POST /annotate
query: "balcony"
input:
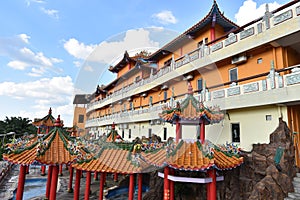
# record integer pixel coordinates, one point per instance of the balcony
(284, 23)
(274, 89)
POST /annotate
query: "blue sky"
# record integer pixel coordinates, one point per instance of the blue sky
(50, 50)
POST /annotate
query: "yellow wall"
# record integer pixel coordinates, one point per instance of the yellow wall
(79, 111)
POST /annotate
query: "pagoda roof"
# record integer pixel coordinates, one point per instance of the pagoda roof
(215, 16)
(193, 156)
(120, 65)
(57, 147)
(48, 120)
(190, 109)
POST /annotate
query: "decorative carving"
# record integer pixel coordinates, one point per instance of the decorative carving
(252, 87)
(233, 91)
(264, 85)
(194, 56)
(219, 94)
(230, 40)
(259, 27)
(293, 79)
(178, 64)
(280, 81)
(217, 46)
(282, 17)
(246, 33)
(267, 16)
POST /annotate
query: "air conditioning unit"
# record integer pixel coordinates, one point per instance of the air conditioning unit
(144, 95)
(238, 59)
(164, 87)
(188, 77)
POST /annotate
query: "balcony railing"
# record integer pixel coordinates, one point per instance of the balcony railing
(251, 30)
(272, 82)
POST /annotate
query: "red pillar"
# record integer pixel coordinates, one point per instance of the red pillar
(77, 184)
(60, 169)
(178, 131)
(172, 186)
(48, 186)
(21, 182)
(70, 189)
(43, 173)
(202, 132)
(166, 184)
(27, 169)
(87, 186)
(212, 187)
(131, 187)
(96, 176)
(102, 180)
(140, 186)
(115, 177)
(54, 179)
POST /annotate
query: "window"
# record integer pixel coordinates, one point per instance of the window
(259, 60)
(165, 133)
(149, 133)
(80, 118)
(268, 117)
(200, 85)
(168, 62)
(165, 95)
(201, 42)
(235, 131)
(137, 79)
(123, 133)
(233, 74)
(129, 133)
(150, 101)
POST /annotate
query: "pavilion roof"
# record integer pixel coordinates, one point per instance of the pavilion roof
(57, 147)
(192, 109)
(48, 120)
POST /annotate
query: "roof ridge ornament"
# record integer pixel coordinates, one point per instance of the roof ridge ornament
(58, 122)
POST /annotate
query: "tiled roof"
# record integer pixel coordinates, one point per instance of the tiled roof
(57, 147)
(191, 109)
(48, 120)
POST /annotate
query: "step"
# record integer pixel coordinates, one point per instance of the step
(297, 179)
(288, 198)
(297, 190)
(297, 174)
(294, 195)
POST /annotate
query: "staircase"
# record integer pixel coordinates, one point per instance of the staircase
(296, 193)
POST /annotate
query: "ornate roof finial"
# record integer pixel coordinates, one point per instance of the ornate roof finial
(57, 122)
(50, 111)
(113, 126)
(190, 88)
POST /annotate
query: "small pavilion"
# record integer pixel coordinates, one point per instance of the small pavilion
(52, 149)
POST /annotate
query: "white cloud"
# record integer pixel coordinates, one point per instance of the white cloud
(77, 49)
(88, 68)
(50, 12)
(249, 11)
(56, 92)
(24, 38)
(19, 65)
(165, 17)
(28, 2)
(77, 63)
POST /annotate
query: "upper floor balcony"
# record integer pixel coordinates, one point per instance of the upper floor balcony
(274, 89)
(271, 28)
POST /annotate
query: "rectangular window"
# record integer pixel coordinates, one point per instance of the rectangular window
(165, 133)
(150, 100)
(129, 133)
(168, 62)
(233, 74)
(200, 85)
(235, 132)
(165, 95)
(201, 42)
(80, 118)
(149, 133)
(259, 60)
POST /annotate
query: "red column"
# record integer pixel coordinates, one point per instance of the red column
(87, 186)
(212, 187)
(48, 186)
(172, 188)
(60, 169)
(96, 176)
(54, 179)
(27, 169)
(115, 177)
(21, 182)
(70, 189)
(140, 186)
(131, 187)
(166, 184)
(77, 184)
(43, 173)
(102, 180)
(178, 131)
(202, 132)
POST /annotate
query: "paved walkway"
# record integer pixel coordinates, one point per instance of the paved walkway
(9, 184)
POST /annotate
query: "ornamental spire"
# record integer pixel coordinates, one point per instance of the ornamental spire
(57, 122)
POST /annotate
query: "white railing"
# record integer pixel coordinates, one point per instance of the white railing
(266, 23)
